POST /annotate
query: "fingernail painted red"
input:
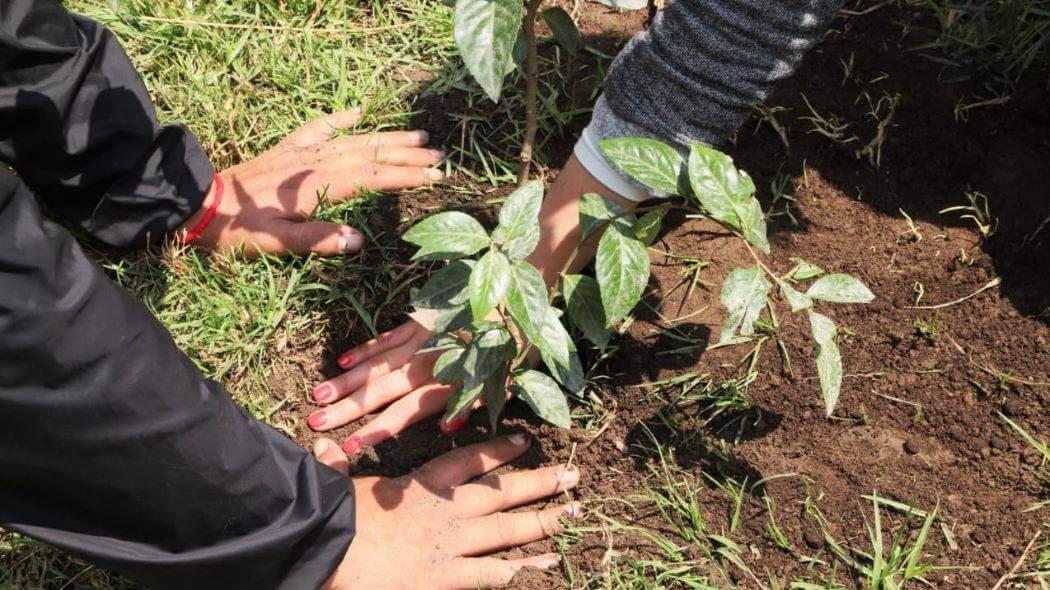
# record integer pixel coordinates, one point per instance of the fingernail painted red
(324, 392)
(352, 445)
(453, 426)
(345, 360)
(317, 419)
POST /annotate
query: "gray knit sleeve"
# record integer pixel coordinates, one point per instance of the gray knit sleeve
(697, 72)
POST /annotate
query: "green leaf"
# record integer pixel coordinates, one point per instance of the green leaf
(569, 375)
(743, 293)
(440, 342)
(622, 268)
(527, 300)
(449, 366)
(647, 229)
(839, 288)
(596, 212)
(727, 193)
(495, 393)
(443, 320)
(447, 236)
(797, 300)
(446, 288)
(804, 270)
(485, 32)
(650, 162)
(488, 283)
(519, 54)
(564, 29)
(829, 361)
(559, 353)
(519, 226)
(461, 399)
(583, 300)
(543, 395)
(484, 355)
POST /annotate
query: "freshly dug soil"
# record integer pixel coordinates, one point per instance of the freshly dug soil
(917, 420)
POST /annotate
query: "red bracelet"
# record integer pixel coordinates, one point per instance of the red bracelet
(195, 233)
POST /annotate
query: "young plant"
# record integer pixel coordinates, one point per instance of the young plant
(713, 187)
(495, 36)
(491, 311)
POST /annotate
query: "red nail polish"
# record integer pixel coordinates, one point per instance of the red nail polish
(317, 419)
(352, 445)
(453, 426)
(324, 392)
(345, 360)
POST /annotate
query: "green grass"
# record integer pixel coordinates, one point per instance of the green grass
(995, 42)
(241, 75)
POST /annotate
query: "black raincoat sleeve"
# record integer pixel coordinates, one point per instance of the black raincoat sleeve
(112, 444)
(77, 124)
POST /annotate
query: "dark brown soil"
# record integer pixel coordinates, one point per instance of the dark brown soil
(917, 420)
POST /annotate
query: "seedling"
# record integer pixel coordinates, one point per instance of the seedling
(493, 311)
(928, 328)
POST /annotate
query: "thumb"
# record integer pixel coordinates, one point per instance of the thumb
(327, 452)
(319, 237)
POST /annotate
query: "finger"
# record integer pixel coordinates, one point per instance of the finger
(327, 452)
(416, 138)
(319, 237)
(490, 572)
(337, 181)
(376, 393)
(466, 463)
(322, 129)
(485, 534)
(402, 156)
(425, 401)
(387, 340)
(347, 182)
(495, 493)
(368, 371)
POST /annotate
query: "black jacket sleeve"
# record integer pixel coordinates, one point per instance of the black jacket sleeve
(77, 124)
(113, 446)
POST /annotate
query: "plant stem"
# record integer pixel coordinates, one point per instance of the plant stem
(761, 265)
(532, 77)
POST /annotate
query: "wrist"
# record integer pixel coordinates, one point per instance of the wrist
(197, 223)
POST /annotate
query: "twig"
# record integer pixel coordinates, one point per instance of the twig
(278, 28)
(532, 76)
(996, 374)
(1020, 560)
(992, 283)
(869, 10)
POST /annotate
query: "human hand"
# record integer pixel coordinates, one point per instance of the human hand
(383, 371)
(268, 200)
(429, 528)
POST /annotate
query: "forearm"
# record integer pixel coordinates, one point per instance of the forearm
(114, 447)
(694, 76)
(77, 123)
(560, 223)
(698, 71)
